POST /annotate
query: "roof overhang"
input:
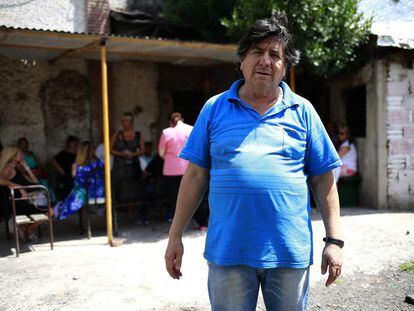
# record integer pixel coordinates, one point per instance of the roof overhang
(50, 45)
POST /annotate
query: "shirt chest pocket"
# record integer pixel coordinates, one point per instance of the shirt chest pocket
(294, 144)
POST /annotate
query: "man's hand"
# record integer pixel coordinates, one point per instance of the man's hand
(332, 258)
(173, 257)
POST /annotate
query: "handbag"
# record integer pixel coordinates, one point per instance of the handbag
(37, 198)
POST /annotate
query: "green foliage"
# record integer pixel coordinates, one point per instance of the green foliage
(327, 32)
(408, 266)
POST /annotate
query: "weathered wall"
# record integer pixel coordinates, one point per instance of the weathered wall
(209, 80)
(400, 134)
(63, 15)
(65, 107)
(22, 107)
(132, 84)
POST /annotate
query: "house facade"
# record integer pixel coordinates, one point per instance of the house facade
(50, 76)
(377, 101)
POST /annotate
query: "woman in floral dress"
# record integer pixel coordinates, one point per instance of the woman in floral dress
(87, 171)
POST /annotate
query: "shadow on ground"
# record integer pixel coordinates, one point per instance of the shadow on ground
(69, 231)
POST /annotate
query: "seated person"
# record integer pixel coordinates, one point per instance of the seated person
(62, 163)
(87, 171)
(348, 154)
(31, 160)
(14, 171)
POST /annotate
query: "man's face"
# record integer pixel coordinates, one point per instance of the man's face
(264, 64)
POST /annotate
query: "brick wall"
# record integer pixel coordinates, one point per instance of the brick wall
(400, 136)
(97, 15)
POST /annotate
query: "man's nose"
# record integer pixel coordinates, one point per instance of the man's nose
(264, 59)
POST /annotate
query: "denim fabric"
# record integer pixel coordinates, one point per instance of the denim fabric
(236, 288)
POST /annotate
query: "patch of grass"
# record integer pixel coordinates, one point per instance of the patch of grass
(408, 266)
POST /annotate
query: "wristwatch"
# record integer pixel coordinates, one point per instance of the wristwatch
(338, 242)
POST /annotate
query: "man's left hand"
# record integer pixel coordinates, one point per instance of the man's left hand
(332, 259)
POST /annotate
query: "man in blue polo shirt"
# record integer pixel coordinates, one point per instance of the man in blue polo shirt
(259, 144)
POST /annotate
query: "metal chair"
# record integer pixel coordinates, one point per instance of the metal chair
(23, 219)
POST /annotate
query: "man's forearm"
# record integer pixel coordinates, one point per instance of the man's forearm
(192, 188)
(326, 197)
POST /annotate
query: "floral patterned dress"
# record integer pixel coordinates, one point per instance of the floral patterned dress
(90, 175)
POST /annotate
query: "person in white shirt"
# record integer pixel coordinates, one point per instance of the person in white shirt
(147, 156)
(100, 154)
(348, 154)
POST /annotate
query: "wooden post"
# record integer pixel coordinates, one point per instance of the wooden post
(292, 78)
(108, 196)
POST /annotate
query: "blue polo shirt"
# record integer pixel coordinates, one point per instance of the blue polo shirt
(259, 165)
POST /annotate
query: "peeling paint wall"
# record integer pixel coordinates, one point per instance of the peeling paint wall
(21, 104)
(65, 107)
(400, 135)
(61, 15)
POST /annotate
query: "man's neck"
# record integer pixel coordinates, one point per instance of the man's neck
(260, 99)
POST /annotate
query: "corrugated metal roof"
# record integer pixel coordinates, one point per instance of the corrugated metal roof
(36, 44)
(393, 21)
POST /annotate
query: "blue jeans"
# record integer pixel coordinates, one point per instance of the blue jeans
(236, 288)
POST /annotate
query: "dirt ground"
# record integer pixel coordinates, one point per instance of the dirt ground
(81, 274)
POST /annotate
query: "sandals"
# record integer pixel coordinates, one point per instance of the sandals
(25, 237)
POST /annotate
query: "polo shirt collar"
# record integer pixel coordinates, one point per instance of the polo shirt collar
(287, 101)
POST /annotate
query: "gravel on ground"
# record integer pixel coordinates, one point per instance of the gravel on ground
(81, 274)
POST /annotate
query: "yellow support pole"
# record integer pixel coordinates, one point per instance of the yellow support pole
(108, 197)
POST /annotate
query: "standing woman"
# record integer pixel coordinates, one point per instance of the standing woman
(171, 143)
(348, 154)
(126, 147)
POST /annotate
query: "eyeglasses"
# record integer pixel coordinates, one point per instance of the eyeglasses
(342, 133)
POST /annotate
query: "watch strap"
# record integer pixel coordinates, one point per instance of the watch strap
(338, 242)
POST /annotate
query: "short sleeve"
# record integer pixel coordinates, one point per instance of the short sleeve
(321, 155)
(197, 148)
